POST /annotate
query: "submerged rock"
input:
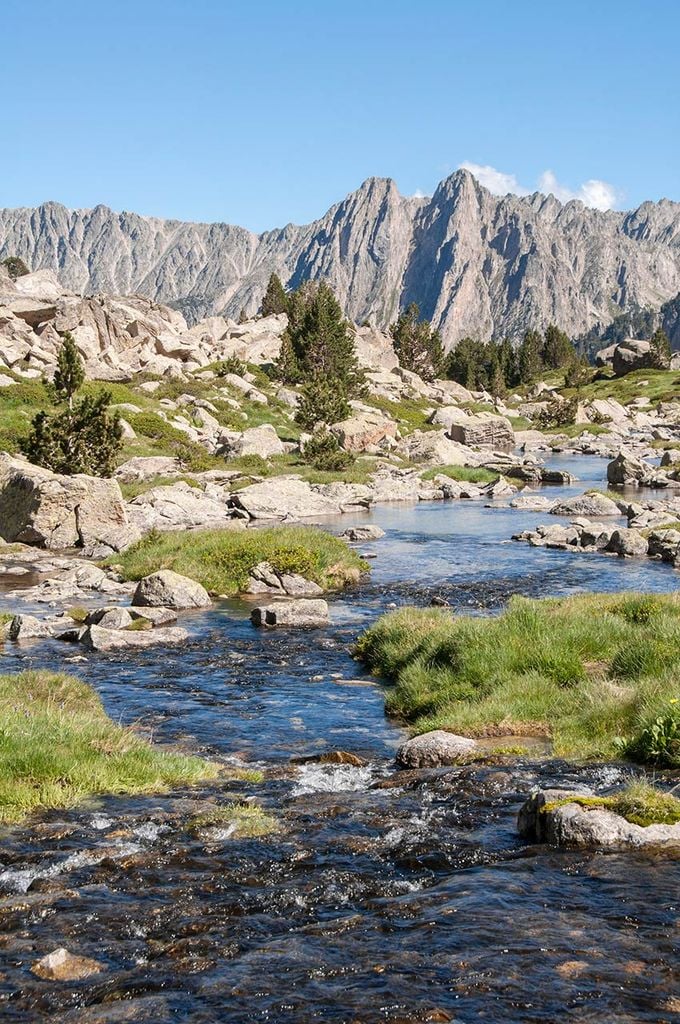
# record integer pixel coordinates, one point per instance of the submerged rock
(168, 589)
(61, 965)
(363, 533)
(554, 816)
(432, 749)
(291, 613)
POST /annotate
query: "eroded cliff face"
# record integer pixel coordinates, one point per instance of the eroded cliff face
(476, 263)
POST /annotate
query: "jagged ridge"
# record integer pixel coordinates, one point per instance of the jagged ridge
(476, 263)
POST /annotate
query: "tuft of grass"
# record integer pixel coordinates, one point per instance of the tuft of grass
(77, 613)
(222, 559)
(139, 624)
(242, 820)
(464, 474)
(597, 673)
(58, 746)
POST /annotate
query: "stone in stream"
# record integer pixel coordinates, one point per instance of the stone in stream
(265, 579)
(304, 613)
(628, 543)
(363, 533)
(110, 618)
(432, 749)
(591, 505)
(27, 627)
(157, 616)
(61, 965)
(554, 816)
(168, 589)
(333, 757)
(95, 638)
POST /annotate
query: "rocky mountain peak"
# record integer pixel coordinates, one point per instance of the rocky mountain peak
(475, 263)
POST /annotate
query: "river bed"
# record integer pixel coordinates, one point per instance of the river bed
(384, 896)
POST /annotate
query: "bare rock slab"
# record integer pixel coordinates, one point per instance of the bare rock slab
(436, 748)
(168, 589)
(98, 638)
(306, 613)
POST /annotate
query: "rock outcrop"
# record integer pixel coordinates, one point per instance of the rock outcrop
(555, 816)
(54, 511)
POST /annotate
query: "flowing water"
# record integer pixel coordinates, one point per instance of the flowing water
(384, 895)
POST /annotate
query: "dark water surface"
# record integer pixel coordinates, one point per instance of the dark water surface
(384, 896)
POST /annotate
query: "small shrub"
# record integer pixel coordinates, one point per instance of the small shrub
(658, 740)
(232, 364)
(15, 267)
(323, 452)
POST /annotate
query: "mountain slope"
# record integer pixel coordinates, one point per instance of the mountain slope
(476, 263)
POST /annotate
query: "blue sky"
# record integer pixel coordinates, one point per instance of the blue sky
(264, 113)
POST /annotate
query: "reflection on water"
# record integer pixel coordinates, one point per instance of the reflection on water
(384, 896)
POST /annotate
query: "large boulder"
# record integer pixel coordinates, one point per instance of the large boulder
(482, 429)
(309, 614)
(364, 429)
(555, 816)
(432, 749)
(283, 498)
(54, 511)
(99, 638)
(146, 467)
(181, 506)
(627, 470)
(632, 354)
(168, 589)
(437, 449)
(263, 441)
(627, 543)
(592, 505)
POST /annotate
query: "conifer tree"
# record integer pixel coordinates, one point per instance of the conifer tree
(417, 345)
(660, 352)
(318, 343)
(70, 373)
(275, 299)
(83, 438)
(530, 360)
(558, 350)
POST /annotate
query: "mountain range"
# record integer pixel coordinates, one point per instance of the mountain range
(477, 264)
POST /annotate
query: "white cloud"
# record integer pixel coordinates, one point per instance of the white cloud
(599, 194)
(496, 181)
(595, 193)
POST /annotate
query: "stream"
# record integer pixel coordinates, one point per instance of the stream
(384, 895)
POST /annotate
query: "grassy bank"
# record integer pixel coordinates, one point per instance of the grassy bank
(463, 474)
(58, 746)
(598, 673)
(221, 560)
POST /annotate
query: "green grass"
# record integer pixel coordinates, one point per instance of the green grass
(58, 746)
(662, 386)
(640, 803)
(464, 474)
(410, 413)
(135, 487)
(221, 559)
(597, 673)
(244, 820)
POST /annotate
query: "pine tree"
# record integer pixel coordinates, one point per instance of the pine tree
(243, 316)
(464, 363)
(321, 401)
(70, 373)
(81, 439)
(15, 267)
(275, 299)
(530, 357)
(660, 352)
(558, 350)
(318, 344)
(417, 345)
